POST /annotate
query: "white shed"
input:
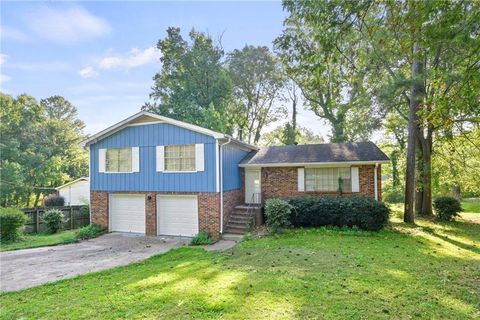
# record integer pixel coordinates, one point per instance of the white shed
(76, 192)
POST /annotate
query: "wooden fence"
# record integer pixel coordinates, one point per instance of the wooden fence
(75, 217)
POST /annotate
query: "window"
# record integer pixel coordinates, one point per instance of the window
(180, 158)
(118, 160)
(328, 179)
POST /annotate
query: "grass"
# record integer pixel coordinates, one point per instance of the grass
(471, 205)
(425, 271)
(40, 240)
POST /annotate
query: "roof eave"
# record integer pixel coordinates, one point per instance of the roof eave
(312, 164)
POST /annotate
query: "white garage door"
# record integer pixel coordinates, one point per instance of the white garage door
(127, 213)
(177, 215)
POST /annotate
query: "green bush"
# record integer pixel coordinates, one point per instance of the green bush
(364, 213)
(277, 212)
(11, 220)
(447, 208)
(89, 232)
(201, 238)
(54, 200)
(53, 220)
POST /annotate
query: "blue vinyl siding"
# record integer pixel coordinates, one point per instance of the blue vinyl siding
(147, 137)
(232, 155)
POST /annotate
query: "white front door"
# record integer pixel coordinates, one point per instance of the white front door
(127, 213)
(252, 186)
(177, 215)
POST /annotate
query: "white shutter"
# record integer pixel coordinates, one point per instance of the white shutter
(355, 180)
(135, 159)
(160, 158)
(101, 159)
(301, 179)
(199, 157)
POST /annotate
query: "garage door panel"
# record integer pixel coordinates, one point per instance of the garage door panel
(177, 215)
(127, 213)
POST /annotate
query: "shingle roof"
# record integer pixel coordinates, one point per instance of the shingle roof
(316, 153)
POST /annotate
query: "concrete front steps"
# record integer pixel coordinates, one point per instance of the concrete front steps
(241, 220)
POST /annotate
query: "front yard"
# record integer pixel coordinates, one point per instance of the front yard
(431, 270)
(40, 240)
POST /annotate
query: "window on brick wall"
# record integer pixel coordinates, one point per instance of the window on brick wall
(328, 179)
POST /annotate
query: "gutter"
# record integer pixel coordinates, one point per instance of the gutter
(221, 182)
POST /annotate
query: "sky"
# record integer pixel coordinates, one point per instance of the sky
(101, 56)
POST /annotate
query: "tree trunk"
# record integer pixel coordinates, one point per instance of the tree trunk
(427, 176)
(416, 99)
(395, 178)
(419, 176)
(456, 192)
(338, 130)
(37, 197)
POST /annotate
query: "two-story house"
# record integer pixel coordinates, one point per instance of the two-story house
(154, 175)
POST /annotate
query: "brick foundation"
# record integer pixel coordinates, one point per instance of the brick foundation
(282, 182)
(231, 199)
(208, 210)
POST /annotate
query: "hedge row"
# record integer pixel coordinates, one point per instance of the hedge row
(365, 213)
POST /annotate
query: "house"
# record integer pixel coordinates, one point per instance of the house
(154, 175)
(76, 192)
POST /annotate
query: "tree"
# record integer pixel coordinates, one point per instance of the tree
(291, 131)
(257, 84)
(438, 80)
(330, 72)
(40, 147)
(279, 136)
(193, 85)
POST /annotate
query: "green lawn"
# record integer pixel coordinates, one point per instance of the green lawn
(425, 271)
(471, 205)
(41, 240)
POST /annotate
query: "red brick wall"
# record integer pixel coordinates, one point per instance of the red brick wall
(99, 208)
(283, 182)
(231, 199)
(208, 210)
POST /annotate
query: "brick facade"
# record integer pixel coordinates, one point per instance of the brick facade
(283, 182)
(231, 199)
(208, 210)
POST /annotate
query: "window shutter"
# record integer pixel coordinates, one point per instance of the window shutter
(355, 180)
(160, 158)
(135, 159)
(199, 157)
(101, 159)
(301, 179)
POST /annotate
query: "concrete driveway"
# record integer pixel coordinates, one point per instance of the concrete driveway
(20, 269)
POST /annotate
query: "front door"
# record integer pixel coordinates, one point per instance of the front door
(252, 186)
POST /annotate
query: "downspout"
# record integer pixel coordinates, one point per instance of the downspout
(375, 183)
(221, 182)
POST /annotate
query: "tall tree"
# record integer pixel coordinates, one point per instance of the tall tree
(293, 96)
(446, 36)
(257, 84)
(40, 147)
(279, 136)
(193, 85)
(330, 72)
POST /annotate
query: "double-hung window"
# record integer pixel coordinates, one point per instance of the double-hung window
(180, 158)
(328, 179)
(118, 160)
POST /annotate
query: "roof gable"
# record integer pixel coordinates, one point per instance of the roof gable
(144, 117)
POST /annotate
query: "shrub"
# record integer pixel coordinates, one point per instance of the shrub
(11, 220)
(277, 212)
(447, 208)
(201, 238)
(53, 219)
(54, 200)
(89, 232)
(364, 213)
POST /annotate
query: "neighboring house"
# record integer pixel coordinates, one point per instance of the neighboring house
(76, 192)
(158, 176)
